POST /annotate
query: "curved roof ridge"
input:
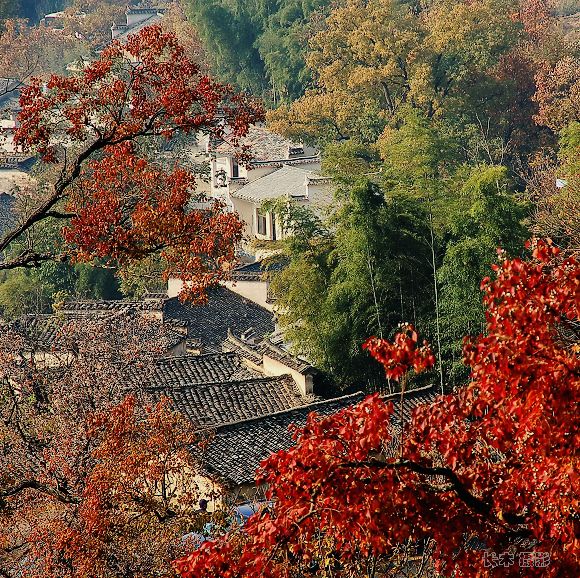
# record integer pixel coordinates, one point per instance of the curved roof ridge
(311, 404)
(397, 395)
(192, 356)
(224, 382)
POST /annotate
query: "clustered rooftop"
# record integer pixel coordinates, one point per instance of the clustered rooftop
(224, 369)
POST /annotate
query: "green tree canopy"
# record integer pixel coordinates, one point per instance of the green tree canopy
(364, 279)
(257, 44)
(485, 216)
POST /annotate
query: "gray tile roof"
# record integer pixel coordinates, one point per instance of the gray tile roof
(154, 15)
(264, 145)
(40, 331)
(213, 404)
(155, 295)
(256, 351)
(411, 400)
(287, 181)
(45, 332)
(257, 271)
(96, 307)
(224, 310)
(190, 370)
(236, 449)
(286, 358)
(248, 351)
(138, 10)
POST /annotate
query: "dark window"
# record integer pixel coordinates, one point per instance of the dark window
(235, 170)
(261, 224)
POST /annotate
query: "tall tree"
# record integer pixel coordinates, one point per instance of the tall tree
(487, 215)
(554, 187)
(257, 45)
(113, 201)
(92, 483)
(229, 36)
(26, 50)
(453, 216)
(434, 56)
(8, 9)
(558, 93)
(362, 278)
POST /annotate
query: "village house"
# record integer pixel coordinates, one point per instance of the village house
(270, 357)
(244, 398)
(249, 380)
(196, 329)
(46, 336)
(14, 165)
(208, 324)
(288, 183)
(235, 450)
(148, 308)
(136, 18)
(252, 281)
(225, 369)
(217, 388)
(279, 169)
(54, 20)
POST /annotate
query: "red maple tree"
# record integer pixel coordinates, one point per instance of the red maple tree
(103, 131)
(558, 93)
(486, 480)
(96, 476)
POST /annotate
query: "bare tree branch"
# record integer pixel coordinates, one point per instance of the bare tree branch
(61, 496)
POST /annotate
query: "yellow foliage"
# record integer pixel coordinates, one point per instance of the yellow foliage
(384, 53)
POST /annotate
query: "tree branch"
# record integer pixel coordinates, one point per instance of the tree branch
(31, 260)
(473, 502)
(63, 497)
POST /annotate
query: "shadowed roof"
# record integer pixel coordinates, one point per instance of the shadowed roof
(224, 310)
(236, 450)
(214, 404)
(189, 370)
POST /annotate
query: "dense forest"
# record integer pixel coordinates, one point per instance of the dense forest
(261, 46)
(443, 123)
(33, 10)
(258, 45)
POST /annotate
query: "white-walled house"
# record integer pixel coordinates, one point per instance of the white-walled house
(294, 184)
(279, 169)
(269, 151)
(14, 164)
(136, 18)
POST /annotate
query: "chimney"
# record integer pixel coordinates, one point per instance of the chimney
(295, 151)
